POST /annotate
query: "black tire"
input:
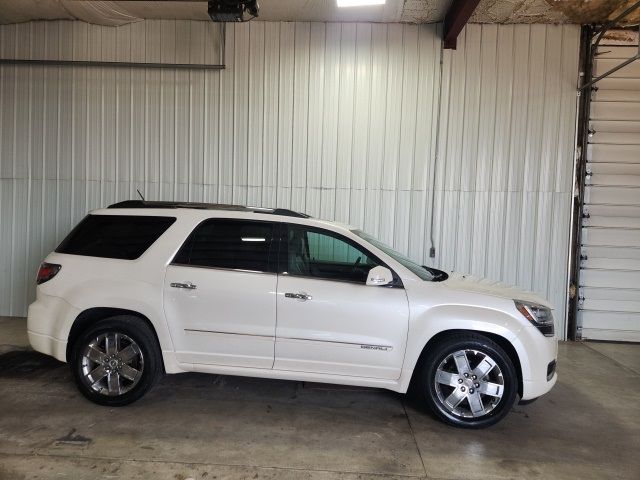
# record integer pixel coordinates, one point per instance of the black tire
(130, 330)
(431, 393)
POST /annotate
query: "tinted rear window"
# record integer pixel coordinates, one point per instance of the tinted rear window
(229, 243)
(114, 236)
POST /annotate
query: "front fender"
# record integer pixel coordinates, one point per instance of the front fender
(426, 324)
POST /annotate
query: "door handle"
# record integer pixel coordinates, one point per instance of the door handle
(187, 285)
(299, 296)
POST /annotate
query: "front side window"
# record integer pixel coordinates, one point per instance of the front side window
(229, 243)
(322, 254)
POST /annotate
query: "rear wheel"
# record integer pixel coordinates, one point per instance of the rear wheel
(116, 361)
(467, 380)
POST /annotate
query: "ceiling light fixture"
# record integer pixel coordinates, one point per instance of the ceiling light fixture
(360, 3)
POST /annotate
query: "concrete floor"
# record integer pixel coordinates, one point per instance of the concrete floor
(216, 427)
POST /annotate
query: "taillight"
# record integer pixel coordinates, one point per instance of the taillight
(47, 272)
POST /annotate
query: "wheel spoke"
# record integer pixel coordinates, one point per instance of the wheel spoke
(113, 382)
(492, 389)
(447, 378)
(128, 353)
(475, 404)
(129, 373)
(455, 398)
(95, 355)
(462, 363)
(96, 374)
(484, 367)
(111, 344)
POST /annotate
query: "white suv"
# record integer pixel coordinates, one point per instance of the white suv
(144, 288)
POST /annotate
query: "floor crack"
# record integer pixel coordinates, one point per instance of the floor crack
(413, 435)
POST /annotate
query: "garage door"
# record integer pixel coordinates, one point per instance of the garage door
(609, 307)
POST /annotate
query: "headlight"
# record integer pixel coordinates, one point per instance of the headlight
(538, 315)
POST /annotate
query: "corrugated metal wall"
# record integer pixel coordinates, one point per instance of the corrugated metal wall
(503, 198)
(338, 120)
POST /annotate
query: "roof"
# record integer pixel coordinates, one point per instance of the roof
(208, 206)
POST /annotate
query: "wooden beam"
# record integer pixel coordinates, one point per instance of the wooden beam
(455, 20)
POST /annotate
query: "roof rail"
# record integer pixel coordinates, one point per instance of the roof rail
(207, 206)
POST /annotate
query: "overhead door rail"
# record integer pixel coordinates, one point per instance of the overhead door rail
(99, 63)
(600, 33)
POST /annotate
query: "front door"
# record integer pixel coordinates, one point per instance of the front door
(329, 320)
(220, 294)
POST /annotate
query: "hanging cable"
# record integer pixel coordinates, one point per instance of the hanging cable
(432, 248)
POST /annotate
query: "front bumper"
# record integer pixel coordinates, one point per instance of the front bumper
(538, 363)
(49, 321)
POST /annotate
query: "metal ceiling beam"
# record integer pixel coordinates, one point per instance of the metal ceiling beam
(457, 17)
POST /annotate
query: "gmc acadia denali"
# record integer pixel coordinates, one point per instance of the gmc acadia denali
(145, 288)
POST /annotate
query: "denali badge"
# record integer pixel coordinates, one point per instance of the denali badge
(374, 347)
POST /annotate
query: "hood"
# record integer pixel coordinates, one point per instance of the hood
(468, 283)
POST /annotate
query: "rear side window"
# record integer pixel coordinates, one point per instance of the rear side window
(229, 243)
(125, 237)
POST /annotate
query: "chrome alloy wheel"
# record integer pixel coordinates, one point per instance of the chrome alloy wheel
(469, 383)
(112, 364)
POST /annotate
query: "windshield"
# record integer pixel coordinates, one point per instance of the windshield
(419, 270)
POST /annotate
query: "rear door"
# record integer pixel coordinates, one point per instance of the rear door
(220, 294)
(329, 320)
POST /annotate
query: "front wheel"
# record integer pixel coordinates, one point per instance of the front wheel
(467, 380)
(116, 361)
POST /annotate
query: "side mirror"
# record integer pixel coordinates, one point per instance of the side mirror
(379, 276)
